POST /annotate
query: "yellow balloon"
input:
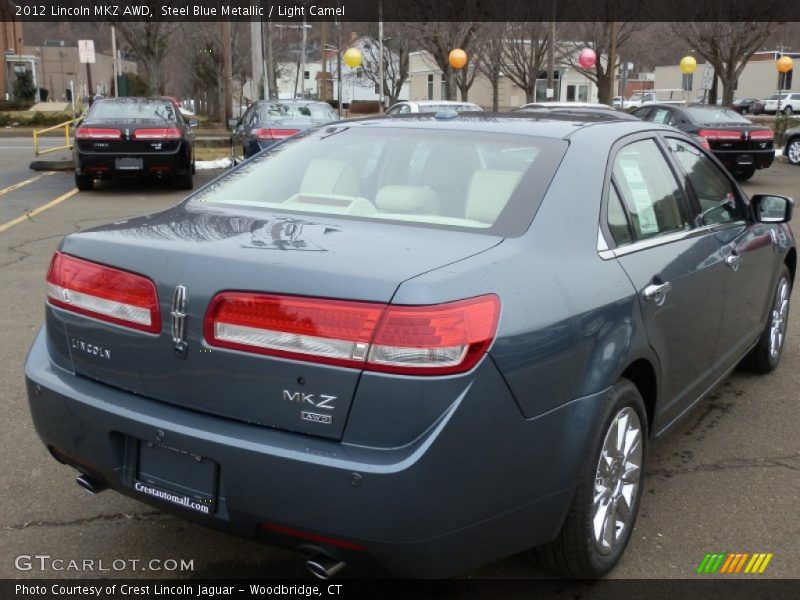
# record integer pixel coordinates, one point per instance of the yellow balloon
(784, 64)
(457, 58)
(352, 58)
(688, 65)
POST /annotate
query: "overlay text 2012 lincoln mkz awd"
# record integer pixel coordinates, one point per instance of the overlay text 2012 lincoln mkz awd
(423, 342)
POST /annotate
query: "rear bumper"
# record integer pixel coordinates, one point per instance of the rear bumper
(761, 159)
(103, 165)
(482, 483)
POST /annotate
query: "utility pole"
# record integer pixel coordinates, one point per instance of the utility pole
(339, 63)
(551, 51)
(227, 72)
(380, 55)
(303, 62)
(114, 61)
(256, 57)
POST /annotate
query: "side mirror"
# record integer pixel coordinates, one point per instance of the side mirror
(233, 123)
(193, 122)
(772, 209)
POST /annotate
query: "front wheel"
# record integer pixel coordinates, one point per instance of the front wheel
(766, 355)
(603, 511)
(788, 110)
(793, 151)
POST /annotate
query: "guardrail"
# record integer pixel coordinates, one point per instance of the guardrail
(67, 139)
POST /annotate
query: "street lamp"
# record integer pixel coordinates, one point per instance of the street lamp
(784, 64)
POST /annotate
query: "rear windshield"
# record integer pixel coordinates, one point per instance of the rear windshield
(477, 181)
(313, 112)
(715, 115)
(139, 109)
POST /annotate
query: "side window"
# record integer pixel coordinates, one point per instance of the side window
(618, 223)
(643, 113)
(715, 193)
(649, 190)
(404, 109)
(661, 116)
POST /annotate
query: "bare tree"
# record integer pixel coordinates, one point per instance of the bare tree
(726, 46)
(438, 39)
(606, 38)
(524, 52)
(489, 58)
(395, 62)
(150, 41)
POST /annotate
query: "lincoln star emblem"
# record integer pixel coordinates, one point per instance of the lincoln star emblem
(179, 321)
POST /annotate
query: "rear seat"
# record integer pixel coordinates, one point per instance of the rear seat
(489, 192)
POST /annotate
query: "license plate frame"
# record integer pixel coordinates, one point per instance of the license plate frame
(176, 476)
(129, 163)
(745, 159)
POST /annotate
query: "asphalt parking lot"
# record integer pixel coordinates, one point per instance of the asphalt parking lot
(728, 480)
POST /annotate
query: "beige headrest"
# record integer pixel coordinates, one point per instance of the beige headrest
(407, 198)
(489, 192)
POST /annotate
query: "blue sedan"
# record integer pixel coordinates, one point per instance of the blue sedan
(427, 342)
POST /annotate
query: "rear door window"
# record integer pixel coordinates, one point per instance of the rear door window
(649, 190)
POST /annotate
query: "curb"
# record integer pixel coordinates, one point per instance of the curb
(52, 165)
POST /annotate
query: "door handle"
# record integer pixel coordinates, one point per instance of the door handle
(656, 291)
(733, 261)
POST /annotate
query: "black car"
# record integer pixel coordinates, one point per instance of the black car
(578, 112)
(744, 105)
(134, 136)
(738, 144)
(267, 122)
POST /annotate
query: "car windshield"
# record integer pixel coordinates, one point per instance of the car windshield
(401, 175)
(133, 109)
(715, 115)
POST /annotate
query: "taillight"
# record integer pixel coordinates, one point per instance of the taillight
(704, 143)
(270, 133)
(720, 134)
(761, 135)
(103, 292)
(161, 133)
(415, 340)
(96, 133)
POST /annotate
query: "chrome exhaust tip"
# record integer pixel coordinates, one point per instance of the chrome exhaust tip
(89, 485)
(324, 567)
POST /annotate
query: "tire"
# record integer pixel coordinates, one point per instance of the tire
(184, 182)
(793, 151)
(788, 110)
(766, 356)
(743, 174)
(577, 552)
(84, 183)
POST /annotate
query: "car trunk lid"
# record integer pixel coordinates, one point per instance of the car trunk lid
(207, 252)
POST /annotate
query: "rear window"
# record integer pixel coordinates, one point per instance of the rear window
(715, 115)
(139, 109)
(314, 112)
(477, 181)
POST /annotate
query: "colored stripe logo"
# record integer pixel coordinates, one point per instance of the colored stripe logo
(732, 563)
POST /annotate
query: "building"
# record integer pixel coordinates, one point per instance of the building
(759, 78)
(58, 64)
(428, 83)
(10, 44)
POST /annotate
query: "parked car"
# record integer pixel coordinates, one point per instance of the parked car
(432, 106)
(791, 145)
(618, 102)
(423, 343)
(744, 105)
(579, 110)
(556, 104)
(134, 137)
(738, 144)
(757, 108)
(789, 103)
(267, 122)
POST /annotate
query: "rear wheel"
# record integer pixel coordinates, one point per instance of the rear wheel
(743, 174)
(603, 511)
(788, 110)
(184, 182)
(84, 183)
(766, 355)
(793, 151)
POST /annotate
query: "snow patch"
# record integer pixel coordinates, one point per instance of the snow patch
(220, 163)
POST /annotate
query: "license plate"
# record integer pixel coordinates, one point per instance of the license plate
(178, 477)
(129, 164)
(744, 159)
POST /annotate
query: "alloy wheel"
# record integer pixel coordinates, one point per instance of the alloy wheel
(793, 152)
(780, 310)
(617, 481)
